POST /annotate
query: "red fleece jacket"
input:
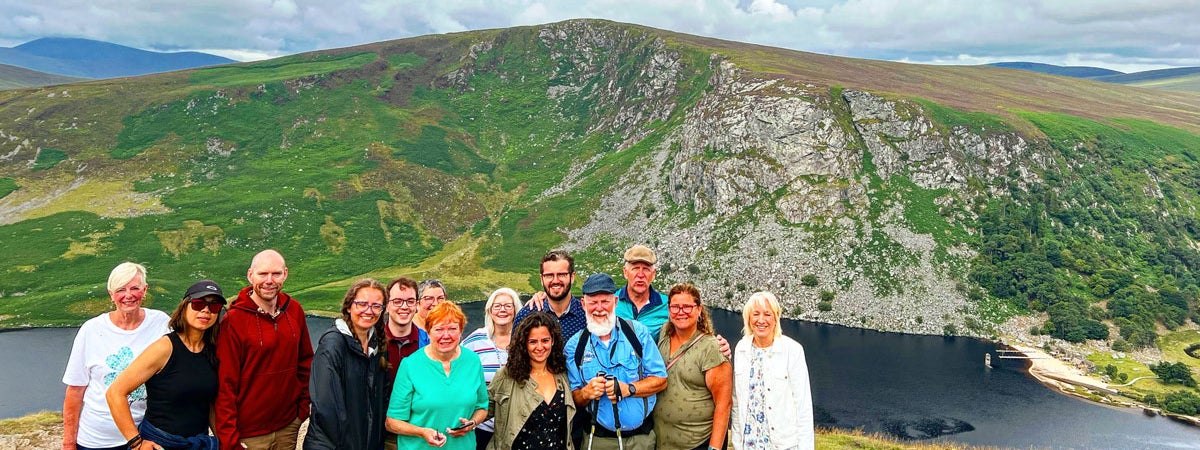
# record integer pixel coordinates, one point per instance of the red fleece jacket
(264, 364)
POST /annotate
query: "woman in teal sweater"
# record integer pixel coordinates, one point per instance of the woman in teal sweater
(439, 396)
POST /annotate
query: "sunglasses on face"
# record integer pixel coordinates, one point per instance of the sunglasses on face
(199, 304)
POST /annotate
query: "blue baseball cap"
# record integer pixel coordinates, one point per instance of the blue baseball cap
(597, 283)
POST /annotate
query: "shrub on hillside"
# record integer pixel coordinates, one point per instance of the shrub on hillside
(1174, 373)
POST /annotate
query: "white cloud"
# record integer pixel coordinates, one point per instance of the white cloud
(1107, 33)
(772, 9)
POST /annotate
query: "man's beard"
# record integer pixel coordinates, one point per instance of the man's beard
(566, 293)
(601, 328)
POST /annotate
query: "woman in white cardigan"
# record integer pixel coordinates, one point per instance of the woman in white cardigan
(772, 404)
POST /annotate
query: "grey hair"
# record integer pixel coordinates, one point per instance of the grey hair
(430, 283)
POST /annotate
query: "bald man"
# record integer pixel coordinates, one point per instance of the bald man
(265, 355)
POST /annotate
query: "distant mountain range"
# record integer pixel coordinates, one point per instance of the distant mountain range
(1066, 71)
(86, 58)
(1176, 79)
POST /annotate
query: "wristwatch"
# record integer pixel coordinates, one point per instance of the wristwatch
(632, 389)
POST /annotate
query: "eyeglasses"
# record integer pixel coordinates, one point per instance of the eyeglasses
(430, 298)
(503, 306)
(398, 302)
(560, 276)
(199, 304)
(363, 306)
(444, 330)
(686, 309)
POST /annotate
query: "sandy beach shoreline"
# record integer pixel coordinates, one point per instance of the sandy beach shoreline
(1056, 373)
(1066, 378)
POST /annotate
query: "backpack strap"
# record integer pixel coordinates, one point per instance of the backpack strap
(633, 339)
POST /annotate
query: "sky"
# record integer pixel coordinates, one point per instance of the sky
(1126, 35)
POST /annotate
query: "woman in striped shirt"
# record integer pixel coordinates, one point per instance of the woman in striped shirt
(491, 344)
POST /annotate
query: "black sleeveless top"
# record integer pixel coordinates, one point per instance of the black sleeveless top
(179, 396)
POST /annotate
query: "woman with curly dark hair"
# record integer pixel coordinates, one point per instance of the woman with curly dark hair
(528, 396)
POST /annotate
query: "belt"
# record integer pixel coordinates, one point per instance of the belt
(647, 426)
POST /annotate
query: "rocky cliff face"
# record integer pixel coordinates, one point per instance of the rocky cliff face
(765, 183)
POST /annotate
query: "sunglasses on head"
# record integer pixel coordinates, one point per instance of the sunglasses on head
(198, 304)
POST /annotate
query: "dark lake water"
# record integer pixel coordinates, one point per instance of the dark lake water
(884, 382)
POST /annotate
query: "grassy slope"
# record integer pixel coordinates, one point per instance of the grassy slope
(384, 165)
(1189, 83)
(13, 77)
(970, 88)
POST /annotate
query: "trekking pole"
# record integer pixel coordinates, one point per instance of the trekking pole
(595, 407)
(616, 412)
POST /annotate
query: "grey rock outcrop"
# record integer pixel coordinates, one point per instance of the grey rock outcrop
(765, 183)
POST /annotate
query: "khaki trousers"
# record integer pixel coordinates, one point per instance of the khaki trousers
(281, 439)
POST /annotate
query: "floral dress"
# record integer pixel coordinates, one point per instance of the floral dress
(757, 430)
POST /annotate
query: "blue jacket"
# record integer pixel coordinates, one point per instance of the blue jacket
(619, 359)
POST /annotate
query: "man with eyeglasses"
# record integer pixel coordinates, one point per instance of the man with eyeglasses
(265, 357)
(558, 275)
(403, 337)
(429, 293)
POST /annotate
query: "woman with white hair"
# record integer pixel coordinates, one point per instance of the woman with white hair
(491, 344)
(772, 405)
(104, 346)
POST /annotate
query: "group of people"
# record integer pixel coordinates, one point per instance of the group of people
(619, 368)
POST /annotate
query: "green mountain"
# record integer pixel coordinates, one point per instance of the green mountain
(893, 196)
(12, 77)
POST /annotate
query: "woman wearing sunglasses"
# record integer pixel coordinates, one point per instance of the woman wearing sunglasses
(347, 381)
(180, 374)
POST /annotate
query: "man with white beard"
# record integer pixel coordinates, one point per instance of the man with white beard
(625, 350)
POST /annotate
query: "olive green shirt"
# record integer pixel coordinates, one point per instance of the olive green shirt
(683, 418)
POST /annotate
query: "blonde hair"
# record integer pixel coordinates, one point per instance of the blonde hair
(124, 273)
(761, 299)
(487, 308)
